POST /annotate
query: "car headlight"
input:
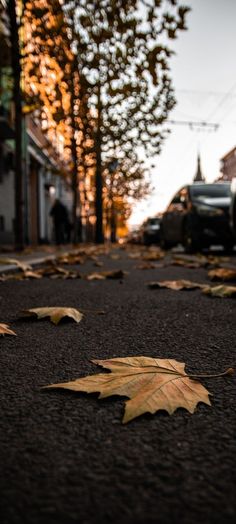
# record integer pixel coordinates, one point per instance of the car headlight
(208, 211)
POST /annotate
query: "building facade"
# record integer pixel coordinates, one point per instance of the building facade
(228, 165)
(45, 175)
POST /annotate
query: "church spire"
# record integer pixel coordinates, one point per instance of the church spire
(199, 176)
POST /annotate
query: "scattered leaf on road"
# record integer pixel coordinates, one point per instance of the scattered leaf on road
(220, 291)
(222, 273)
(95, 276)
(147, 265)
(182, 262)
(15, 262)
(55, 313)
(53, 271)
(175, 285)
(102, 275)
(4, 330)
(152, 384)
(153, 255)
(31, 274)
(71, 259)
(135, 254)
(115, 256)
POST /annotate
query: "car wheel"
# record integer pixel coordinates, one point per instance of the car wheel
(228, 248)
(164, 244)
(189, 242)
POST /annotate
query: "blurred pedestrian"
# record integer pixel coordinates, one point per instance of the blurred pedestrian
(60, 218)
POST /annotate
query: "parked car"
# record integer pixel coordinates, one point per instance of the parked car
(134, 236)
(198, 217)
(150, 231)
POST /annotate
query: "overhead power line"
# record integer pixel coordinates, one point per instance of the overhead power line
(205, 93)
(195, 125)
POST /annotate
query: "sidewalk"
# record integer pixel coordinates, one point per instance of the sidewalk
(32, 256)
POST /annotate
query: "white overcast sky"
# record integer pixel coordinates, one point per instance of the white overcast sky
(204, 77)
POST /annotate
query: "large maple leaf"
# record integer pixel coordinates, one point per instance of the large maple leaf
(56, 314)
(152, 384)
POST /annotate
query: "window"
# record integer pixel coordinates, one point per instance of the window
(210, 191)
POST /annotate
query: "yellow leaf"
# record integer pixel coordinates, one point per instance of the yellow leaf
(152, 384)
(4, 330)
(55, 313)
(220, 291)
(222, 273)
(175, 285)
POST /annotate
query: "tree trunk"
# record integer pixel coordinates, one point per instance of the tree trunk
(113, 223)
(74, 188)
(16, 72)
(99, 236)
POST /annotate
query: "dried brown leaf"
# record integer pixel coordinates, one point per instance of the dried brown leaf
(95, 276)
(4, 330)
(135, 255)
(175, 285)
(152, 384)
(98, 263)
(102, 275)
(185, 263)
(222, 273)
(12, 261)
(147, 265)
(32, 274)
(153, 255)
(55, 313)
(220, 291)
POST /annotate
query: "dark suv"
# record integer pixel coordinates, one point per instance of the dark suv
(197, 217)
(150, 231)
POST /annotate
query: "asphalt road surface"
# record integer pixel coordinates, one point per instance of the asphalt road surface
(66, 457)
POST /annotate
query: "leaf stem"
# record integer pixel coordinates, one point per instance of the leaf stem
(229, 371)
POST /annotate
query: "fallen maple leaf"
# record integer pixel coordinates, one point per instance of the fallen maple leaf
(152, 384)
(102, 275)
(15, 262)
(55, 313)
(31, 274)
(222, 273)
(185, 263)
(4, 330)
(153, 255)
(220, 291)
(175, 285)
(147, 265)
(95, 276)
